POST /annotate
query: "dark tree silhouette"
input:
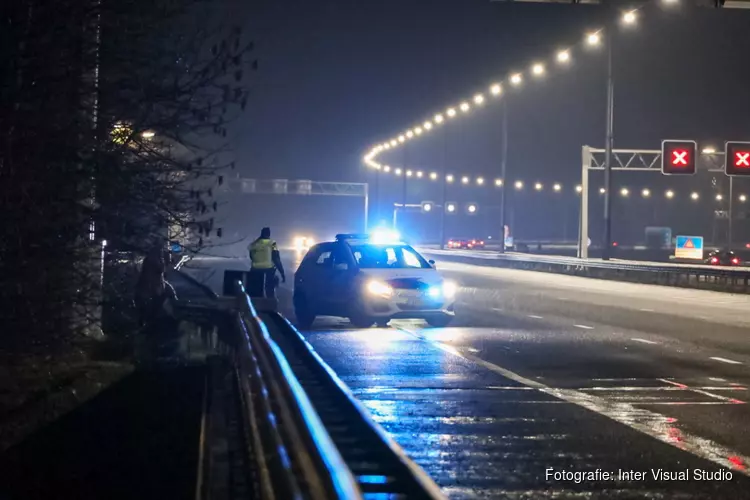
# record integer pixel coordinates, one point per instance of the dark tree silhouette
(113, 128)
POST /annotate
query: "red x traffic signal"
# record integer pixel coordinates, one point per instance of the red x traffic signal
(678, 157)
(737, 158)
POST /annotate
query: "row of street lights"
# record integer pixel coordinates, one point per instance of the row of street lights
(537, 69)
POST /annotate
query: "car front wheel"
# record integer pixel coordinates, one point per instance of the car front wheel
(304, 313)
(439, 321)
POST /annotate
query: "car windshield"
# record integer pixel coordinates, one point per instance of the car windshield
(372, 256)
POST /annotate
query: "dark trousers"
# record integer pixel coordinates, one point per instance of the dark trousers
(260, 280)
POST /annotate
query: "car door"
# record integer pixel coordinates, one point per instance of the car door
(342, 279)
(318, 277)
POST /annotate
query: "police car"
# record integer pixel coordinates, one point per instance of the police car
(370, 280)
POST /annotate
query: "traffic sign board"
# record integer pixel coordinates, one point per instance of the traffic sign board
(678, 157)
(689, 247)
(737, 158)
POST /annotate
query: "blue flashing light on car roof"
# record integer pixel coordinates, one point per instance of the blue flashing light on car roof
(352, 236)
(380, 236)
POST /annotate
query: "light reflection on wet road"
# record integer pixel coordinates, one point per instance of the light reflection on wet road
(515, 387)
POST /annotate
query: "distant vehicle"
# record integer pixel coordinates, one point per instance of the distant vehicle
(723, 258)
(370, 280)
(302, 243)
(468, 244)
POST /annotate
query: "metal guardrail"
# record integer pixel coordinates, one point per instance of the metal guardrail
(298, 432)
(381, 467)
(681, 275)
(295, 457)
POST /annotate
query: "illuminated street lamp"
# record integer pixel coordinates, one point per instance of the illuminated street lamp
(479, 99)
(401, 138)
(397, 171)
(464, 180)
(708, 150)
(694, 196)
(450, 207)
(743, 198)
(419, 174)
(480, 181)
(602, 190)
(593, 39)
(624, 191)
(496, 89)
(719, 197)
(438, 118)
(557, 187)
(629, 17)
(427, 125)
(449, 178)
(669, 194)
(563, 56)
(451, 112)
(579, 189)
(498, 182)
(538, 186)
(409, 134)
(519, 185)
(387, 169)
(646, 193)
(408, 173)
(433, 175)
(427, 206)
(418, 130)
(516, 79)
(472, 208)
(394, 143)
(537, 69)
(464, 106)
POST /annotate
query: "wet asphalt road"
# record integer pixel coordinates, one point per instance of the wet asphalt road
(541, 371)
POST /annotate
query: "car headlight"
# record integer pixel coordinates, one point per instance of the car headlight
(449, 289)
(379, 288)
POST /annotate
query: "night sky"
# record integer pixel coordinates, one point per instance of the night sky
(338, 76)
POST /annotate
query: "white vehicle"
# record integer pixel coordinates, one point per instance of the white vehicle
(370, 281)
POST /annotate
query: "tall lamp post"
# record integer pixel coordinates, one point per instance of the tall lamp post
(444, 178)
(503, 172)
(608, 151)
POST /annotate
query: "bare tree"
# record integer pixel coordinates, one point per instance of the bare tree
(116, 130)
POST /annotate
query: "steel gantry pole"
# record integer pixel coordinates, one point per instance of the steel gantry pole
(607, 242)
(731, 212)
(503, 172)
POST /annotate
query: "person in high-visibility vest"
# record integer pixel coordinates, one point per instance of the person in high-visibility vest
(265, 261)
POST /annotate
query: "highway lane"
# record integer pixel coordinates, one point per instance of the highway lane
(542, 370)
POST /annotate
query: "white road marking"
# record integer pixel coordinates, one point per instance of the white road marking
(640, 419)
(646, 310)
(535, 316)
(644, 341)
(497, 309)
(585, 327)
(725, 360)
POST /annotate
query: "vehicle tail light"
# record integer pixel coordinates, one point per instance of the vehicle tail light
(735, 261)
(714, 260)
(481, 242)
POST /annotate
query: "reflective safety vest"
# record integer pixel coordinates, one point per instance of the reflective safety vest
(261, 252)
